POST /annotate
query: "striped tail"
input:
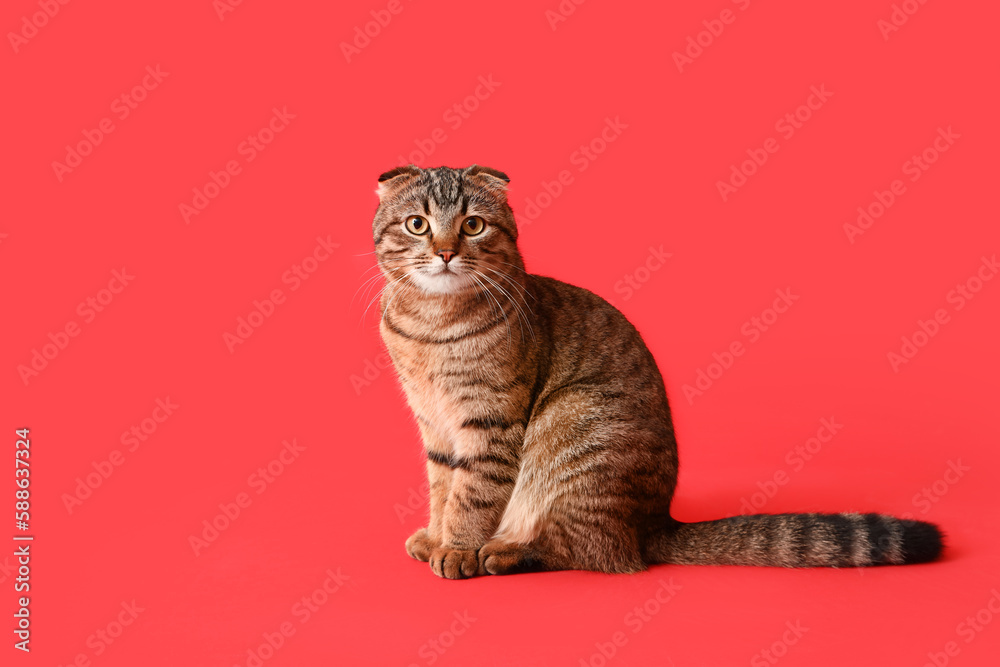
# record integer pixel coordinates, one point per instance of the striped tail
(799, 540)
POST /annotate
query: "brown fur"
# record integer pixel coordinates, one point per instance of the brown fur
(546, 423)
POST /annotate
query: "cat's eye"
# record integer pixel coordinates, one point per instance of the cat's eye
(473, 226)
(417, 225)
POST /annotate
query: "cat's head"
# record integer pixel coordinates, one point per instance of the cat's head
(445, 230)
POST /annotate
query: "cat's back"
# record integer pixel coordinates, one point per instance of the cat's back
(588, 337)
(575, 313)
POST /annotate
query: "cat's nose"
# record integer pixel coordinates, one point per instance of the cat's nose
(446, 255)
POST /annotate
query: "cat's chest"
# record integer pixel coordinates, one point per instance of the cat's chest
(441, 390)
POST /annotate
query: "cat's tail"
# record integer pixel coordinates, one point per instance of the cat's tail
(798, 540)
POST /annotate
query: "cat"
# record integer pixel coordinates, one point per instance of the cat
(545, 420)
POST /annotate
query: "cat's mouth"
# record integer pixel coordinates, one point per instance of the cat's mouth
(443, 280)
(452, 268)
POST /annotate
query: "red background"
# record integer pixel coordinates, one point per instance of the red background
(342, 504)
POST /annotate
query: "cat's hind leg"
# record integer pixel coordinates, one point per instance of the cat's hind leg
(500, 557)
(563, 545)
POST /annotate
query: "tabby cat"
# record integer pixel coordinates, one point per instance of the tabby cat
(545, 420)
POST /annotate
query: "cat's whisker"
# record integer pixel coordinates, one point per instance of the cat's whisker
(516, 268)
(485, 292)
(366, 283)
(374, 270)
(514, 283)
(379, 268)
(491, 298)
(396, 292)
(389, 283)
(520, 288)
(504, 313)
(481, 262)
(367, 286)
(374, 300)
(387, 263)
(506, 294)
(519, 268)
(369, 282)
(510, 297)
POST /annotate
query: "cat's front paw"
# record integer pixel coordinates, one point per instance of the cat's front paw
(454, 563)
(421, 544)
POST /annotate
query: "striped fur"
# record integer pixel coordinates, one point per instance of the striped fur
(545, 420)
(799, 540)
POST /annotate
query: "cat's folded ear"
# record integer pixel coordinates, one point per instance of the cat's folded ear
(491, 178)
(392, 181)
